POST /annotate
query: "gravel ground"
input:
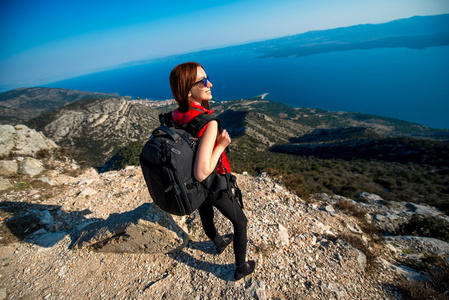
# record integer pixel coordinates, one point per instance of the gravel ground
(297, 247)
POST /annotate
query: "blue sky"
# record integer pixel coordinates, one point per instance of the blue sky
(48, 40)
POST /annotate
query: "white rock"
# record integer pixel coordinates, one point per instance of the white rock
(319, 227)
(5, 184)
(87, 192)
(370, 197)
(283, 235)
(361, 259)
(46, 180)
(424, 210)
(354, 228)
(336, 288)
(255, 289)
(21, 140)
(328, 232)
(8, 167)
(330, 209)
(31, 166)
(6, 139)
(391, 247)
(408, 273)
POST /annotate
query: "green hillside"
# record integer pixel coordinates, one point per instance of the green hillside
(342, 153)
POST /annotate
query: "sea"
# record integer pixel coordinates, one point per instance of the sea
(402, 83)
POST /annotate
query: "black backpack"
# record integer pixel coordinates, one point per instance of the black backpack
(167, 162)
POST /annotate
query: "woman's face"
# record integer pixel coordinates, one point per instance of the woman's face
(199, 91)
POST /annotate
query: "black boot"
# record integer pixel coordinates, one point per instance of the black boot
(245, 269)
(227, 239)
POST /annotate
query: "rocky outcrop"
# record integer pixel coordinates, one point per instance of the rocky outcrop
(20, 140)
(26, 152)
(385, 215)
(146, 229)
(93, 130)
(30, 166)
(8, 167)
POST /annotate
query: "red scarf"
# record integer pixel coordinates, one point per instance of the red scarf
(184, 118)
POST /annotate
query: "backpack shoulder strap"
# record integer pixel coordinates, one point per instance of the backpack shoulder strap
(195, 126)
(167, 119)
(168, 131)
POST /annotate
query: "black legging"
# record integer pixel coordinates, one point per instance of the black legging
(231, 209)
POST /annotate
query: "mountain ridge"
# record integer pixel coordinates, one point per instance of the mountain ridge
(98, 122)
(98, 128)
(22, 104)
(94, 129)
(361, 153)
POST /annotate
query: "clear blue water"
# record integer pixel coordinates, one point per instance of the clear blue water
(411, 85)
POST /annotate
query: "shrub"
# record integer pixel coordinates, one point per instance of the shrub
(434, 288)
(43, 153)
(418, 291)
(128, 156)
(394, 181)
(425, 226)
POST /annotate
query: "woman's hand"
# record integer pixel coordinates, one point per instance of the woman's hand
(223, 139)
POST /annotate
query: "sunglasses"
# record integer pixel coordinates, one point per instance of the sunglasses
(204, 81)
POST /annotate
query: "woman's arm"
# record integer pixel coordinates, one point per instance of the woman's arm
(207, 156)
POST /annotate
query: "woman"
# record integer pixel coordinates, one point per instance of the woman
(191, 89)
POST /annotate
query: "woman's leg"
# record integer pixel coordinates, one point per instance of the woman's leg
(206, 212)
(232, 211)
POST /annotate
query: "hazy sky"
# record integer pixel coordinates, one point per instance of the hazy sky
(48, 40)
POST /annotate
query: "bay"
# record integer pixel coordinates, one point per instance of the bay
(408, 84)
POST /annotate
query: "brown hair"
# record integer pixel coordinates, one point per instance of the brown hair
(182, 79)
